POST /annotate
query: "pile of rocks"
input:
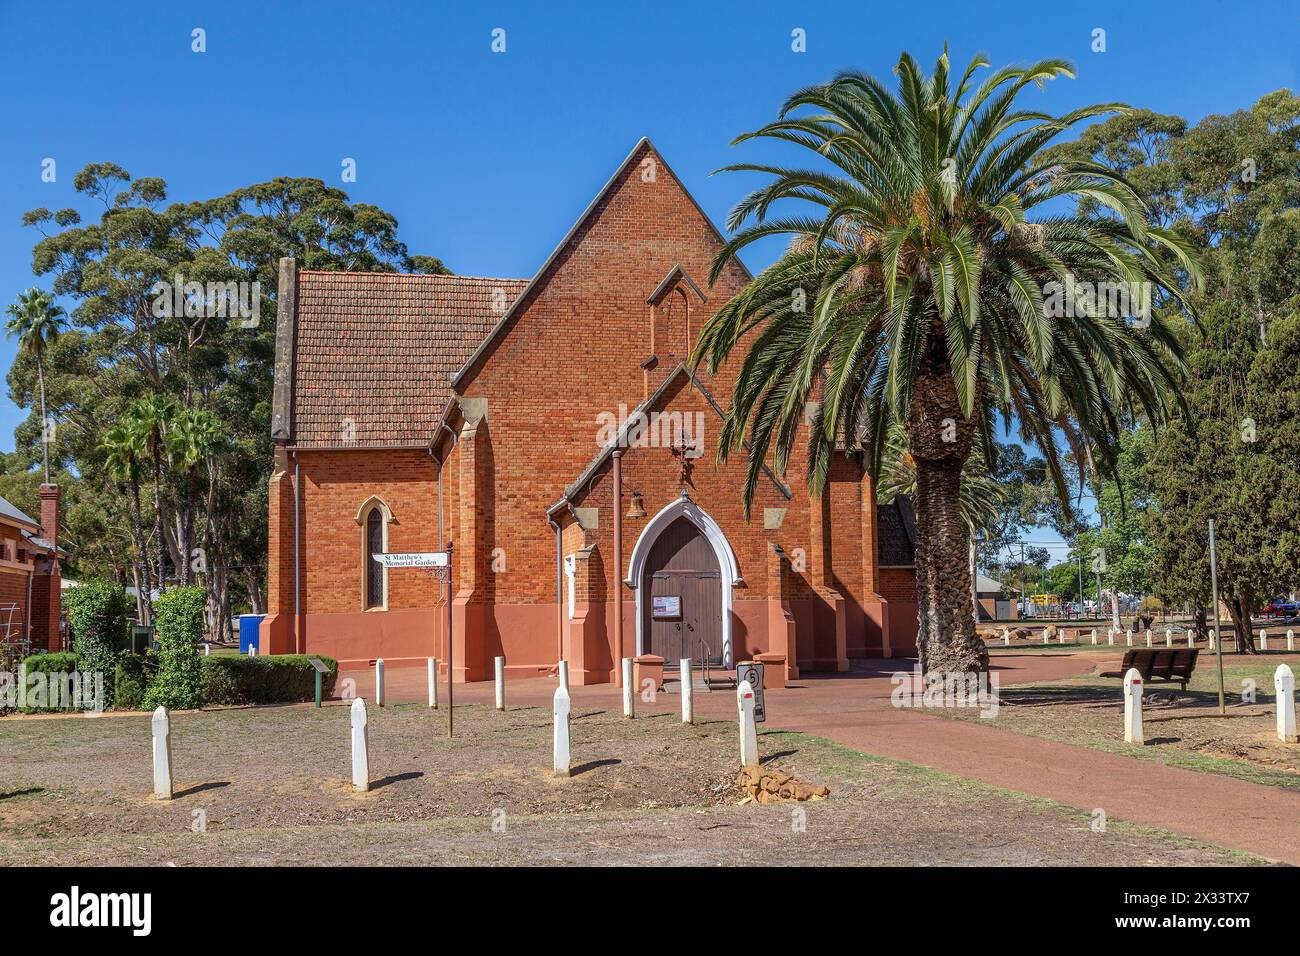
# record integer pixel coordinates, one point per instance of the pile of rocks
(767, 785)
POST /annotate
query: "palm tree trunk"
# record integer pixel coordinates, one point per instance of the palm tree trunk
(45, 421)
(157, 509)
(143, 583)
(939, 438)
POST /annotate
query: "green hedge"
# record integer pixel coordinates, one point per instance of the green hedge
(40, 694)
(97, 613)
(274, 679)
(225, 679)
(178, 622)
(135, 672)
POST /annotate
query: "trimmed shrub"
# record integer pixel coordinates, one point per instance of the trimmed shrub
(55, 682)
(275, 679)
(97, 613)
(135, 672)
(178, 622)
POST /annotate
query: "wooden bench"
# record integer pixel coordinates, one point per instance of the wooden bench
(1164, 666)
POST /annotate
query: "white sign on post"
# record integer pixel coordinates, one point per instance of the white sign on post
(1284, 688)
(360, 747)
(688, 692)
(1133, 707)
(162, 754)
(561, 707)
(748, 730)
(413, 559)
(629, 698)
(752, 671)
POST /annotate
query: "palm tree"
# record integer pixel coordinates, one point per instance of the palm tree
(191, 440)
(123, 452)
(921, 293)
(36, 322)
(148, 420)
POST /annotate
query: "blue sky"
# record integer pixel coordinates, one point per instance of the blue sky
(486, 159)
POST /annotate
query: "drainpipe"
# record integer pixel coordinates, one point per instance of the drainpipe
(298, 641)
(450, 431)
(618, 566)
(559, 590)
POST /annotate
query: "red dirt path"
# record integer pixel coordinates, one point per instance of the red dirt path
(854, 710)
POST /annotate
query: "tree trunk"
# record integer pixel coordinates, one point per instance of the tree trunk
(158, 512)
(939, 438)
(45, 421)
(144, 585)
(1239, 610)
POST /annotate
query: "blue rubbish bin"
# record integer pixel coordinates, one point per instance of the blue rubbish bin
(248, 624)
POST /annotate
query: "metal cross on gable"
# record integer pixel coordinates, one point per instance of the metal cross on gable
(685, 453)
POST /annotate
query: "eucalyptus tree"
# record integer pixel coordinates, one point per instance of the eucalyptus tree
(36, 322)
(917, 289)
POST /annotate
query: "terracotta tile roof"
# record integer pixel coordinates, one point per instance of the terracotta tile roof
(379, 349)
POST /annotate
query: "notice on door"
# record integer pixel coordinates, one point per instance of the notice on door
(666, 608)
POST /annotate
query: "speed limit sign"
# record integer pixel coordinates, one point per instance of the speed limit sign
(752, 671)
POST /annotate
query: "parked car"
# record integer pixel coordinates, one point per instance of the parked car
(1282, 608)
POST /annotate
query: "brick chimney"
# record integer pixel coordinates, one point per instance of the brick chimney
(50, 513)
(46, 597)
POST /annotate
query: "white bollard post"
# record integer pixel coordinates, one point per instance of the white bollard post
(629, 695)
(688, 692)
(379, 682)
(1191, 637)
(1169, 637)
(1044, 635)
(207, 649)
(1290, 640)
(564, 675)
(1284, 688)
(1094, 637)
(500, 668)
(1110, 636)
(433, 681)
(748, 731)
(252, 650)
(1263, 640)
(1006, 637)
(162, 755)
(560, 708)
(1133, 707)
(1148, 637)
(360, 747)
(1060, 637)
(1214, 638)
(1128, 637)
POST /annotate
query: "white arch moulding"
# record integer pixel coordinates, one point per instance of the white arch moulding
(684, 507)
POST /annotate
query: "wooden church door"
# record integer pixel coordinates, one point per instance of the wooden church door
(683, 616)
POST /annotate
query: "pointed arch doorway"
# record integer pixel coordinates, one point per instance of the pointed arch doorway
(683, 571)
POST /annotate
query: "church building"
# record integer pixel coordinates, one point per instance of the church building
(550, 432)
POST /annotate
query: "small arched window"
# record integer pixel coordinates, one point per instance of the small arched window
(375, 573)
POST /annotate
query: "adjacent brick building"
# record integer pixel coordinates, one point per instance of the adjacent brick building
(30, 591)
(414, 412)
